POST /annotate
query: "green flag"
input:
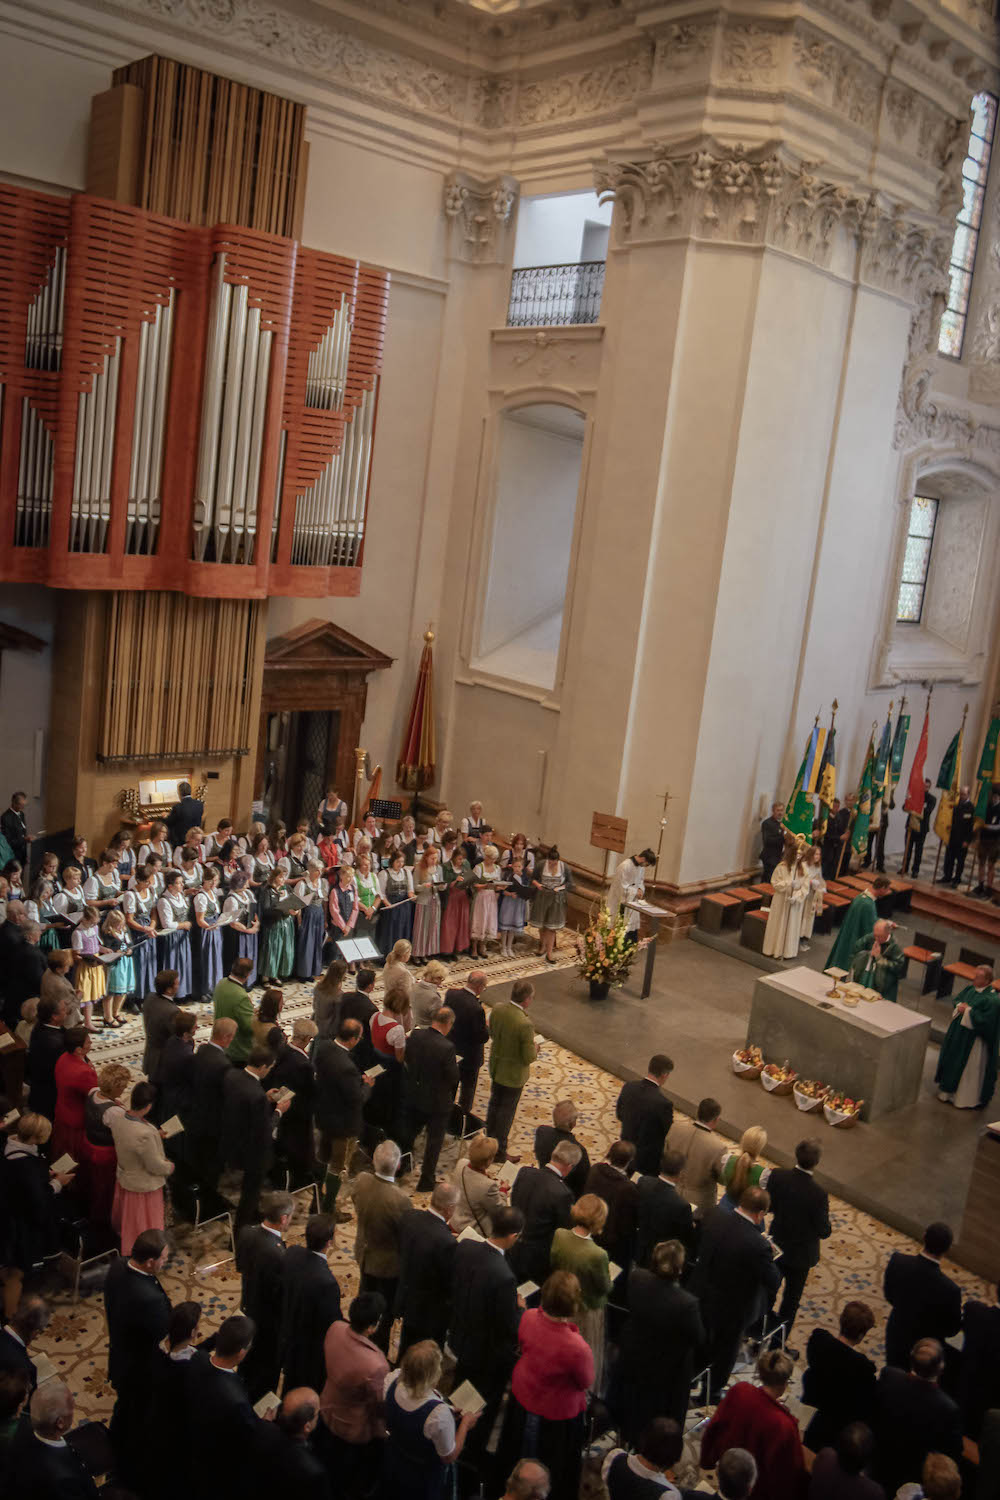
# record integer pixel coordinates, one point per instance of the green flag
(949, 777)
(863, 811)
(800, 812)
(988, 772)
(898, 751)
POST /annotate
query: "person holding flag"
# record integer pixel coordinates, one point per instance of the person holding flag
(948, 780)
(879, 823)
(987, 820)
(917, 828)
(917, 792)
(960, 836)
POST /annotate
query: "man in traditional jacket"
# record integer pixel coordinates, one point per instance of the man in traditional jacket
(859, 922)
(877, 961)
(967, 1064)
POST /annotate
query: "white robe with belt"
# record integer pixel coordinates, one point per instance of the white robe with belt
(784, 922)
(628, 883)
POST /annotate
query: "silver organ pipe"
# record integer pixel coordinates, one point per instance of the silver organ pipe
(238, 364)
(329, 515)
(152, 391)
(282, 447)
(326, 379)
(33, 508)
(44, 332)
(90, 512)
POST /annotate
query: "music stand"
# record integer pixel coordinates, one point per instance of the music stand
(388, 808)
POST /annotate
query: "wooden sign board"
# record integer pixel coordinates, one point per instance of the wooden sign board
(608, 832)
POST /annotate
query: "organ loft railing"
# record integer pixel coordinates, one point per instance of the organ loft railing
(181, 406)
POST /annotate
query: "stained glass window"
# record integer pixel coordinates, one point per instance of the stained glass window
(975, 169)
(916, 560)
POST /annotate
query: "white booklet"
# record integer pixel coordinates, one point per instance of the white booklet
(45, 1369)
(266, 1405)
(467, 1398)
(373, 1072)
(64, 1164)
(283, 1094)
(528, 1289)
(10, 1118)
(6, 1039)
(469, 1233)
(508, 1172)
(173, 1126)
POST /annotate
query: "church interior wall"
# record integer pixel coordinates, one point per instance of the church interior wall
(46, 93)
(25, 693)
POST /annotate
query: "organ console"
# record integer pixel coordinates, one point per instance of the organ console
(184, 407)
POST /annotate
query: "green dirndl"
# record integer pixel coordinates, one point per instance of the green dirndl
(277, 949)
(51, 938)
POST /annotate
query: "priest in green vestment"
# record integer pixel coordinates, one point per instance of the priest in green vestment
(859, 922)
(877, 961)
(967, 1066)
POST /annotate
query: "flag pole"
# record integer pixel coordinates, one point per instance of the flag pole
(829, 741)
(974, 847)
(937, 857)
(854, 815)
(906, 847)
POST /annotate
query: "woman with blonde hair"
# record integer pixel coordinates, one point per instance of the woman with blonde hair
(576, 1250)
(422, 1439)
(479, 1195)
(395, 971)
(99, 1156)
(742, 1169)
(428, 883)
(31, 1230)
(485, 905)
(427, 997)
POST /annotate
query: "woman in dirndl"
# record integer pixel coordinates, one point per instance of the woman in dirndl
(485, 905)
(206, 935)
(395, 919)
(139, 905)
(174, 942)
(241, 937)
(427, 886)
(369, 895)
(513, 913)
(456, 874)
(43, 910)
(191, 868)
(121, 974)
(313, 890)
(551, 882)
(91, 975)
(277, 948)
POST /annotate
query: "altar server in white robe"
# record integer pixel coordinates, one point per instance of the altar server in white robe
(816, 892)
(628, 883)
(791, 887)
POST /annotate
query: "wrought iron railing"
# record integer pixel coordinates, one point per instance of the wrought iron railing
(545, 296)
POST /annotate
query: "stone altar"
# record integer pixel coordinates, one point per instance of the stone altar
(872, 1051)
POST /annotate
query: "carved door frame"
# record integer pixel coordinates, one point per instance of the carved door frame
(317, 666)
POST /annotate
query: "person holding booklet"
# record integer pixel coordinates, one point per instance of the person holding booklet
(395, 918)
(121, 970)
(313, 891)
(240, 936)
(276, 904)
(138, 904)
(551, 882)
(369, 895)
(91, 976)
(423, 1439)
(174, 942)
(142, 1169)
(487, 881)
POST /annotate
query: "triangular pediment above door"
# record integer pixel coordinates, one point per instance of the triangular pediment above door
(321, 643)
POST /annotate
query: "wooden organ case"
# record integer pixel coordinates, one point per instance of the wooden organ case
(184, 407)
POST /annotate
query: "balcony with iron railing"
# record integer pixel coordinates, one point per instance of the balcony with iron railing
(553, 296)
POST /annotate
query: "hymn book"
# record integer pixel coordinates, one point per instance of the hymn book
(507, 1173)
(469, 1233)
(374, 1072)
(267, 1405)
(45, 1369)
(6, 1040)
(10, 1118)
(467, 1398)
(64, 1164)
(528, 1289)
(171, 1127)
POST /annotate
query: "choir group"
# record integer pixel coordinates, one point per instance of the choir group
(284, 901)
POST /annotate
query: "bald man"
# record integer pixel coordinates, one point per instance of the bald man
(287, 1460)
(878, 960)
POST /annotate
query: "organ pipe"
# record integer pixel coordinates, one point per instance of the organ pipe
(329, 515)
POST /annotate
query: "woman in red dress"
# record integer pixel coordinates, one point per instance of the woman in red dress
(75, 1077)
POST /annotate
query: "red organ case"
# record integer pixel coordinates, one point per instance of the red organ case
(182, 407)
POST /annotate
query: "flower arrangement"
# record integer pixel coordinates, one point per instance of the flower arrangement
(778, 1078)
(606, 949)
(809, 1094)
(840, 1110)
(748, 1062)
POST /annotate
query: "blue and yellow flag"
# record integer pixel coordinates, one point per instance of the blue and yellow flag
(828, 777)
(801, 811)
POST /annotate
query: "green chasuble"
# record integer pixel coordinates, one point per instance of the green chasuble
(859, 920)
(883, 974)
(984, 1013)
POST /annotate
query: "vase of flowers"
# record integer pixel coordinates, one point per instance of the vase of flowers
(607, 951)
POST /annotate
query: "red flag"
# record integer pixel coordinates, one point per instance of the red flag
(915, 788)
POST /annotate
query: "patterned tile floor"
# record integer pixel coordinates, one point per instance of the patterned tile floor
(851, 1267)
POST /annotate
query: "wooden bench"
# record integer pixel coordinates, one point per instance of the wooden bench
(964, 969)
(764, 889)
(902, 891)
(751, 898)
(929, 951)
(752, 931)
(718, 910)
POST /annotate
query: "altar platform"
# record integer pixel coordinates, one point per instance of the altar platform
(905, 1168)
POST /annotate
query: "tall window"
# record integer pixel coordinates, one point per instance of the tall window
(916, 560)
(975, 169)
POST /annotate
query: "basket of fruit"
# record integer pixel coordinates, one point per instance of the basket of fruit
(809, 1094)
(748, 1062)
(778, 1078)
(841, 1111)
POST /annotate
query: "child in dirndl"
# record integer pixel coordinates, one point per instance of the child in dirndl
(121, 974)
(90, 979)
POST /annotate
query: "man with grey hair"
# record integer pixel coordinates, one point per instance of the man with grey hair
(430, 1078)
(22, 962)
(203, 1116)
(543, 1197)
(736, 1473)
(529, 1480)
(469, 1034)
(547, 1137)
(44, 1465)
(260, 1260)
(31, 1317)
(380, 1206)
(426, 1266)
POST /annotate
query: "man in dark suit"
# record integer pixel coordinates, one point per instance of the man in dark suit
(540, 1194)
(14, 827)
(734, 1277)
(658, 1344)
(138, 1315)
(248, 1108)
(288, 1463)
(469, 1036)
(220, 1423)
(663, 1214)
(610, 1180)
(43, 1466)
(979, 1381)
(926, 1304)
(31, 1317)
(772, 839)
(426, 1263)
(485, 1314)
(294, 1070)
(963, 817)
(430, 1078)
(310, 1303)
(800, 1211)
(260, 1260)
(23, 967)
(646, 1114)
(833, 840)
(185, 814)
(917, 829)
(202, 1118)
(45, 1048)
(914, 1417)
(547, 1137)
(158, 1011)
(339, 1105)
(358, 1005)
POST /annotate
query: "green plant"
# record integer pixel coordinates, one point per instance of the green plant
(606, 948)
